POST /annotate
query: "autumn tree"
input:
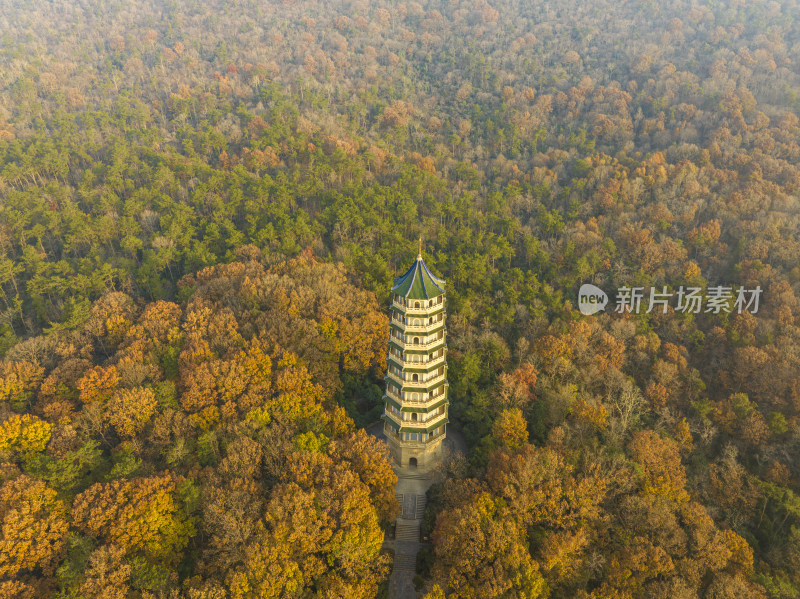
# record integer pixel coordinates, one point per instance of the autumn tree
(34, 528)
(481, 552)
(140, 515)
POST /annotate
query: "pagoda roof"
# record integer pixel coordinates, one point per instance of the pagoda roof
(418, 282)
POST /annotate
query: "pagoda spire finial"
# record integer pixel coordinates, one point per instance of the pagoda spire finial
(419, 254)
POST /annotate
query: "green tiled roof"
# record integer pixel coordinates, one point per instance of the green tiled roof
(419, 282)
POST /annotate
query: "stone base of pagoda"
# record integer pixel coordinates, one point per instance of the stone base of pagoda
(418, 454)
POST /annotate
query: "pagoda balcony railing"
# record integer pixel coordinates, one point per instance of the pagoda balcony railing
(387, 430)
(426, 326)
(423, 328)
(421, 364)
(412, 310)
(410, 341)
(432, 418)
(435, 379)
(396, 418)
(398, 379)
(410, 382)
(397, 398)
(417, 403)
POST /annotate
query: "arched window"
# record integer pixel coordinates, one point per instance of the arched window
(415, 378)
(416, 304)
(416, 340)
(414, 416)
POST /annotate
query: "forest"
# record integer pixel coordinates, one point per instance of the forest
(203, 204)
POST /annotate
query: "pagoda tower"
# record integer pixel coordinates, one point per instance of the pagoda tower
(416, 400)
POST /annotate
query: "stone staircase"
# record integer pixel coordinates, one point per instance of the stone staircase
(417, 475)
(406, 544)
(422, 501)
(405, 563)
(406, 530)
(413, 506)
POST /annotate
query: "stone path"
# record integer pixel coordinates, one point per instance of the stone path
(410, 491)
(412, 485)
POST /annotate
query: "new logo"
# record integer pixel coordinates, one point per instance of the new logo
(591, 299)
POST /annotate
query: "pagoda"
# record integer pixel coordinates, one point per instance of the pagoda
(415, 412)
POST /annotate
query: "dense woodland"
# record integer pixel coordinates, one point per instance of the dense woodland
(202, 205)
